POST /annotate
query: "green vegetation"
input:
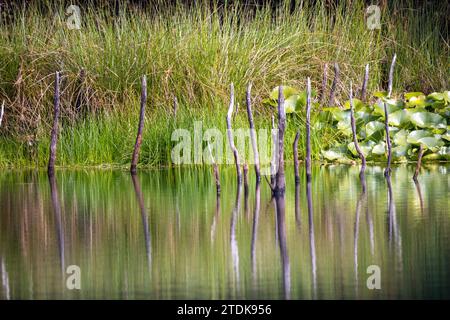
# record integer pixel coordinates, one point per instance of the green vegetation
(193, 53)
(418, 120)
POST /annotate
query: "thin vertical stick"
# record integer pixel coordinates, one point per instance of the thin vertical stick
(295, 150)
(175, 106)
(230, 135)
(2, 112)
(308, 130)
(280, 182)
(253, 132)
(324, 83)
(353, 124)
(387, 171)
(54, 134)
(274, 155)
(391, 75)
(365, 83)
(138, 143)
(334, 85)
(419, 163)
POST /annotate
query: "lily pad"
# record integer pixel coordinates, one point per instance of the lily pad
(290, 104)
(431, 143)
(334, 153)
(344, 126)
(428, 120)
(416, 135)
(379, 148)
(287, 92)
(409, 95)
(401, 138)
(366, 148)
(357, 104)
(399, 118)
(338, 114)
(400, 152)
(373, 127)
(378, 108)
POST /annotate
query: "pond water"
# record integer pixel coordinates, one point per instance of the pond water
(164, 235)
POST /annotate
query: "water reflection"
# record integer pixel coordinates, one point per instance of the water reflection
(233, 240)
(285, 265)
(395, 238)
(419, 194)
(59, 227)
(190, 243)
(255, 237)
(312, 241)
(5, 279)
(297, 204)
(144, 216)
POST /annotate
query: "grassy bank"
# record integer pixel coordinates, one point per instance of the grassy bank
(192, 53)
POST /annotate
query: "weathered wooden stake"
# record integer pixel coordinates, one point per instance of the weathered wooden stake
(387, 171)
(54, 134)
(391, 75)
(355, 138)
(280, 180)
(419, 163)
(137, 146)
(2, 112)
(308, 130)
(334, 85)
(230, 135)
(324, 84)
(295, 150)
(253, 132)
(273, 163)
(365, 83)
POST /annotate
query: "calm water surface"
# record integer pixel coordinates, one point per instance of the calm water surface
(164, 235)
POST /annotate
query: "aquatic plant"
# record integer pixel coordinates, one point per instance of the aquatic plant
(416, 121)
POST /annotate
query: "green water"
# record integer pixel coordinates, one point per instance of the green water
(165, 236)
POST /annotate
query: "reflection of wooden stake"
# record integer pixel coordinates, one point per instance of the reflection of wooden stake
(355, 138)
(419, 163)
(295, 150)
(386, 118)
(54, 134)
(230, 135)
(332, 101)
(308, 130)
(365, 83)
(137, 146)
(280, 181)
(253, 133)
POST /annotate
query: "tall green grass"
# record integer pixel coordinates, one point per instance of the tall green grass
(192, 53)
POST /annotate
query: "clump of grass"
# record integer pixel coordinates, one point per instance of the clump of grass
(192, 53)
